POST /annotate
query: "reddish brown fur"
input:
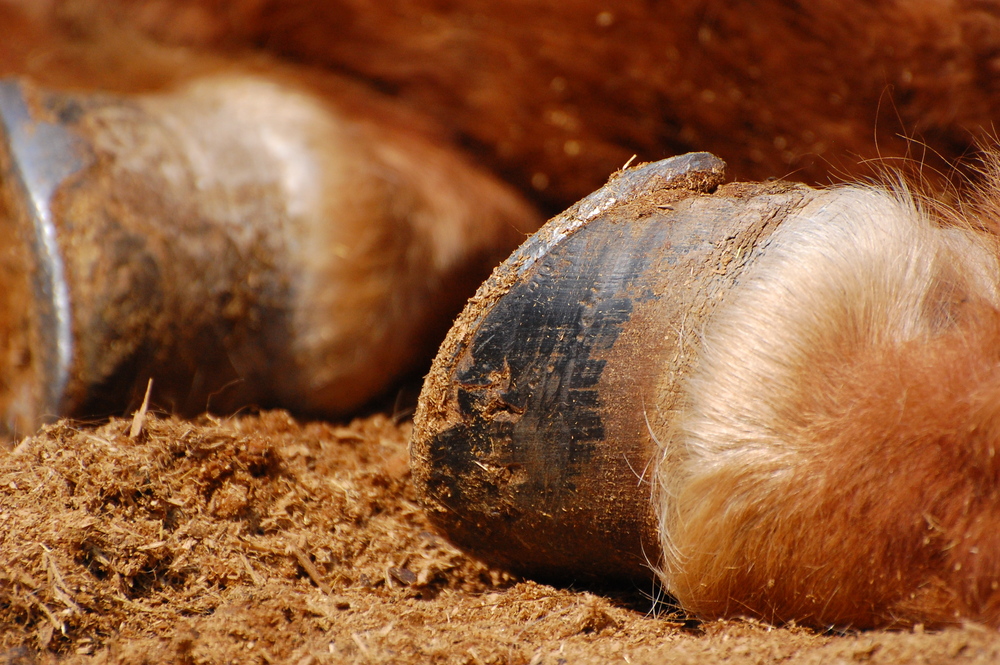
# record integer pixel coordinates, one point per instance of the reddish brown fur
(893, 518)
(557, 95)
(836, 464)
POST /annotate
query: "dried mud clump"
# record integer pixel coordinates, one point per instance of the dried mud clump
(262, 540)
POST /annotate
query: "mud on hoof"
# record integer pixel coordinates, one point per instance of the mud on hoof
(778, 399)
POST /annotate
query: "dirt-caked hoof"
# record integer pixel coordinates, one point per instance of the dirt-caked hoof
(782, 400)
(241, 238)
(534, 442)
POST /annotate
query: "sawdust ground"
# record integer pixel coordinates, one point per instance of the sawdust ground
(259, 539)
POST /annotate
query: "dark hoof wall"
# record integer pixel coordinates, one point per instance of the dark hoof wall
(533, 445)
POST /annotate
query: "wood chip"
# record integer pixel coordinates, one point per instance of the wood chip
(140, 416)
(310, 569)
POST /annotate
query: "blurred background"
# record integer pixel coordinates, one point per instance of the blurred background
(555, 96)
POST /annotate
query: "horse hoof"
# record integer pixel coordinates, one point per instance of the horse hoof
(781, 400)
(242, 238)
(528, 447)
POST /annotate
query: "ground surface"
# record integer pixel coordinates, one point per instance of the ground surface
(262, 540)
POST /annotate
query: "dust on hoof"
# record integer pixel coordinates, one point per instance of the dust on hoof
(533, 442)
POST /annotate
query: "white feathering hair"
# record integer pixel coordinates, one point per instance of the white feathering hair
(856, 271)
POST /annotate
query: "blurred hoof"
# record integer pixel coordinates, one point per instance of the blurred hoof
(243, 238)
